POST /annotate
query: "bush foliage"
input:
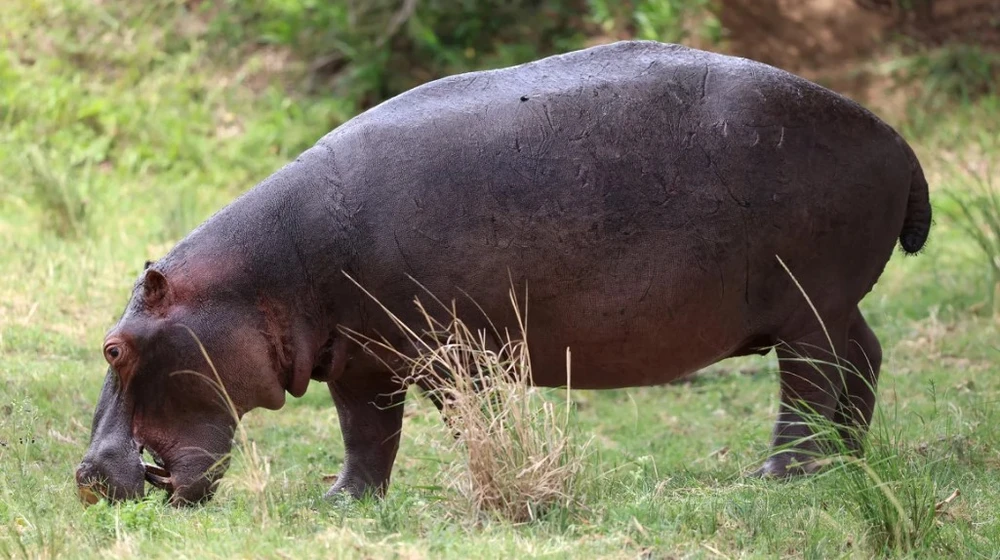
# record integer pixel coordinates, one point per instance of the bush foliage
(368, 51)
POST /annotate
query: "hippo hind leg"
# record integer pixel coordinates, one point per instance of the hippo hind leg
(857, 401)
(370, 411)
(821, 388)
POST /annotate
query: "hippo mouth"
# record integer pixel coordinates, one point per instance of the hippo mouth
(92, 492)
(156, 474)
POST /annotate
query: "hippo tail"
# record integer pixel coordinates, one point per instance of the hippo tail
(917, 224)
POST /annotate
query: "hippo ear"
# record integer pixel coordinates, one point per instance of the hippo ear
(154, 287)
(147, 265)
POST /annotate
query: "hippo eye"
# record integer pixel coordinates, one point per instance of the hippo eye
(112, 352)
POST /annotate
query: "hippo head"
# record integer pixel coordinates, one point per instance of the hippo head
(184, 365)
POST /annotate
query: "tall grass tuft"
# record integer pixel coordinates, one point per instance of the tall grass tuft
(890, 491)
(520, 456)
(976, 210)
(888, 488)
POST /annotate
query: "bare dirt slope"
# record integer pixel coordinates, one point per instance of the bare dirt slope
(828, 40)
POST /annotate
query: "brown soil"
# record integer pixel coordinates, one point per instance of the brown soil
(831, 40)
(802, 36)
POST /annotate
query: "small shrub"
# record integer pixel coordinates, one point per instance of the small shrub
(366, 51)
(672, 21)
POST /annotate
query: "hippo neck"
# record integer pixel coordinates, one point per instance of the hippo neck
(281, 248)
(283, 235)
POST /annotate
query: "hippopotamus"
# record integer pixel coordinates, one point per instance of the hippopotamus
(668, 207)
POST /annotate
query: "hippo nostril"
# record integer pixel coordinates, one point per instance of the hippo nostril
(89, 476)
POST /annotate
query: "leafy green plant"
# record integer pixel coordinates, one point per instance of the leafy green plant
(672, 21)
(369, 51)
(141, 516)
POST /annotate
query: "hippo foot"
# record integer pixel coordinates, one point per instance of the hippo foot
(355, 487)
(789, 465)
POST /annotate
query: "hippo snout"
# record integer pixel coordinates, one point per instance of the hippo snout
(110, 477)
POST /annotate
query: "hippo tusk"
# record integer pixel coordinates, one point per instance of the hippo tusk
(158, 477)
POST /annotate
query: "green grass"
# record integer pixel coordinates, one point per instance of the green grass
(124, 125)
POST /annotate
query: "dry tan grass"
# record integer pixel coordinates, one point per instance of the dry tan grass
(519, 454)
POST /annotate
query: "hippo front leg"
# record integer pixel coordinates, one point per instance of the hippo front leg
(370, 409)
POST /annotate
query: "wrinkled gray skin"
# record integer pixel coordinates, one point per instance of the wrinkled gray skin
(642, 191)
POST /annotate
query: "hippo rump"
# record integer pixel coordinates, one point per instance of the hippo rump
(650, 195)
